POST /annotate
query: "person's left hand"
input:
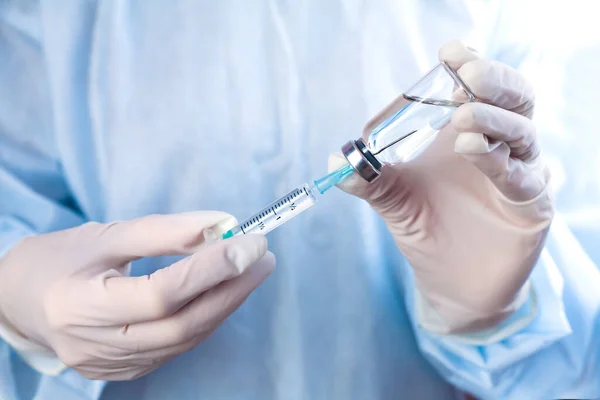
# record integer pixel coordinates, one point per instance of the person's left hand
(472, 212)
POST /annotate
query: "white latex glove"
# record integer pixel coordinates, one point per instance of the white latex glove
(69, 292)
(471, 213)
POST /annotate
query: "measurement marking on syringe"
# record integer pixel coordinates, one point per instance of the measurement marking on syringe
(276, 213)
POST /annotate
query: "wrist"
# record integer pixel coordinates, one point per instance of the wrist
(450, 317)
(38, 357)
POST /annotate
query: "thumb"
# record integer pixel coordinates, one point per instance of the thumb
(161, 235)
(387, 194)
(353, 184)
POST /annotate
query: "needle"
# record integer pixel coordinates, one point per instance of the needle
(393, 143)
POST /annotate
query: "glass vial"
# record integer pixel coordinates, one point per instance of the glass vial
(408, 124)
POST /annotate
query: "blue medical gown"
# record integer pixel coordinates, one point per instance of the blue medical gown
(116, 110)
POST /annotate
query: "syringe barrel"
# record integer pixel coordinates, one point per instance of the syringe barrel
(277, 213)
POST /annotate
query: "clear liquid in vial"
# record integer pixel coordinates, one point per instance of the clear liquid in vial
(404, 115)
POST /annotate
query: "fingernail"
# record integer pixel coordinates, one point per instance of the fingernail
(223, 226)
(471, 143)
(210, 235)
(246, 250)
(335, 161)
(216, 231)
(472, 49)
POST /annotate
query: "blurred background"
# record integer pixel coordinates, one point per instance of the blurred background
(563, 63)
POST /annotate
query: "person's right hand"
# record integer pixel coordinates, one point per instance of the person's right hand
(69, 291)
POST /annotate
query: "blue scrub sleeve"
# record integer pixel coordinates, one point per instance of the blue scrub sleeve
(35, 195)
(557, 355)
(33, 200)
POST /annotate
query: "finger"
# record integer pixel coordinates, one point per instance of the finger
(114, 356)
(114, 300)
(456, 54)
(200, 317)
(86, 353)
(159, 235)
(144, 357)
(490, 81)
(516, 180)
(498, 125)
(122, 373)
(496, 83)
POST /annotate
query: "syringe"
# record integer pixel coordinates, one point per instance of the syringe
(360, 159)
(298, 200)
(287, 207)
(422, 111)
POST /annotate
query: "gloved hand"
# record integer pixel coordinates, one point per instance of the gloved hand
(69, 291)
(470, 213)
